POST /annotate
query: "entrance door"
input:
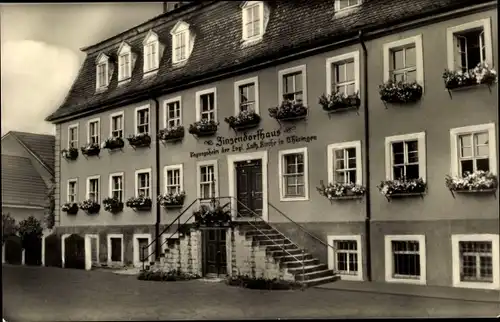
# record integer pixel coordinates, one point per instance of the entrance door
(143, 242)
(249, 187)
(215, 263)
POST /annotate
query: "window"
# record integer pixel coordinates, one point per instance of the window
(172, 109)
(469, 44)
(151, 56)
(115, 248)
(173, 178)
(117, 125)
(475, 261)
(180, 46)
(207, 176)
(292, 84)
(344, 163)
(293, 172)
(253, 20)
(206, 105)
(124, 65)
(182, 42)
(73, 136)
(405, 259)
(405, 156)
(246, 95)
(345, 256)
(116, 186)
(142, 120)
(102, 79)
(94, 129)
(473, 148)
(342, 73)
(403, 60)
(346, 4)
(143, 183)
(93, 188)
(72, 190)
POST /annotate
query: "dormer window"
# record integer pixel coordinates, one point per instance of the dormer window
(151, 52)
(346, 4)
(103, 71)
(255, 17)
(182, 42)
(124, 62)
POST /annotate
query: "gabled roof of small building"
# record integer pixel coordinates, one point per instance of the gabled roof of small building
(293, 26)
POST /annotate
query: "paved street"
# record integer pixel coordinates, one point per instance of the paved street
(52, 294)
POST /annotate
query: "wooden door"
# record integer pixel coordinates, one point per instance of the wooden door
(249, 188)
(143, 252)
(116, 249)
(215, 263)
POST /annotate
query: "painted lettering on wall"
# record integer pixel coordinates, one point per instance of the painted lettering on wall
(251, 142)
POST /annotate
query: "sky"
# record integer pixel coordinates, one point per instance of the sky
(41, 57)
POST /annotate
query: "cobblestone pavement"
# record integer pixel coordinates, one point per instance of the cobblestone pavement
(54, 294)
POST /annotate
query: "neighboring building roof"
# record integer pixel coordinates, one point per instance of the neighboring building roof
(21, 184)
(293, 26)
(41, 145)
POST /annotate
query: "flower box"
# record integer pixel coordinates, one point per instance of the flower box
(113, 205)
(400, 92)
(70, 154)
(289, 111)
(171, 134)
(113, 143)
(140, 203)
(71, 208)
(204, 127)
(213, 215)
(90, 206)
(338, 101)
(482, 74)
(91, 149)
(476, 182)
(244, 120)
(403, 188)
(172, 200)
(341, 191)
(139, 140)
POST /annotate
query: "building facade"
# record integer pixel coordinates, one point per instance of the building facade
(189, 66)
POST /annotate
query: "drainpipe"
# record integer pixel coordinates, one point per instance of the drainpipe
(157, 167)
(367, 161)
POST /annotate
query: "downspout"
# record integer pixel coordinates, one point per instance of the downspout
(367, 161)
(157, 172)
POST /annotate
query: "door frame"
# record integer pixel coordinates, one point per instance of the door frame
(109, 237)
(88, 247)
(204, 244)
(136, 251)
(231, 166)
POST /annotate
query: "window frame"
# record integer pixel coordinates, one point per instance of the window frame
(87, 195)
(136, 251)
(199, 164)
(172, 167)
(292, 70)
(454, 134)
(422, 153)
(332, 259)
(98, 120)
(70, 127)
(455, 255)
(249, 5)
(341, 146)
(151, 39)
(165, 110)
(142, 171)
(103, 60)
(109, 237)
(113, 115)
(181, 27)
(338, 59)
(111, 188)
(337, 6)
(136, 118)
(389, 267)
(198, 102)
(75, 181)
(125, 74)
(248, 81)
(281, 168)
(419, 56)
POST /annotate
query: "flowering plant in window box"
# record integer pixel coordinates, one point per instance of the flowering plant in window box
(213, 214)
(113, 205)
(337, 190)
(288, 110)
(171, 134)
(139, 140)
(71, 208)
(70, 154)
(244, 120)
(481, 74)
(403, 187)
(91, 149)
(400, 92)
(478, 181)
(203, 127)
(112, 143)
(172, 200)
(90, 206)
(339, 101)
(140, 203)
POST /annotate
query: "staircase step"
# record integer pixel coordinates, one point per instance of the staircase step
(322, 280)
(254, 232)
(281, 252)
(297, 264)
(272, 242)
(313, 275)
(293, 257)
(273, 248)
(267, 237)
(307, 269)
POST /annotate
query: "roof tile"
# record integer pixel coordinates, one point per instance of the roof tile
(42, 145)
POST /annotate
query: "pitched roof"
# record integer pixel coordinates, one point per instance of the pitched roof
(41, 145)
(293, 26)
(21, 183)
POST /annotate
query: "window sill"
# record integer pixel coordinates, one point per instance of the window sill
(286, 199)
(467, 87)
(406, 281)
(150, 73)
(345, 277)
(477, 285)
(251, 41)
(101, 89)
(346, 11)
(124, 81)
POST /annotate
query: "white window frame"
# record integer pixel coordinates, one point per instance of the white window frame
(111, 176)
(70, 127)
(136, 116)
(337, 6)
(243, 82)
(419, 56)
(151, 38)
(389, 267)
(332, 258)
(291, 70)
(165, 110)
(181, 27)
(340, 146)
(198, 102)
(122, 114)
(181, 175)
(75, 181)
(451, 31)
(455, 255)
(137, 251)
(141, 171)
(109, 237)
(338, 59)
(422, 153)
(98, 120)
(102, 59)
(249, 6)
(125, 73)
(281, 168)
(99, 192)
(455, 132)
(199, 164)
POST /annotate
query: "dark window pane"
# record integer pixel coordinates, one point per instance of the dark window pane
(412, 172)
(467, 166)
(483, 164)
